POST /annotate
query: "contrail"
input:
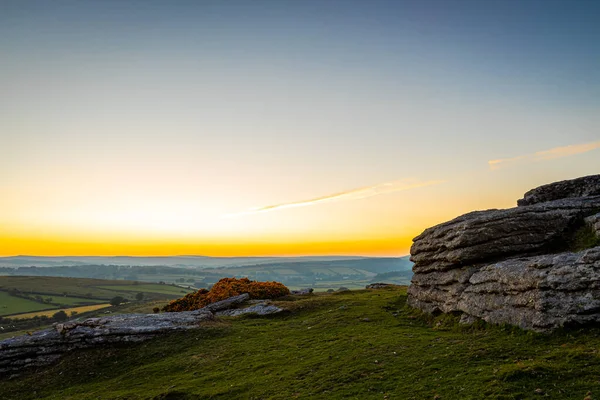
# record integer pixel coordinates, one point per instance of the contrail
(355, 194)
(557, 152)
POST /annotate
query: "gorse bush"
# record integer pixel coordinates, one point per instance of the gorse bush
(225, 288)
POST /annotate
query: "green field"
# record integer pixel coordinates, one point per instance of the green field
(74, 292)
(148, 288)
(49, 313)
(75, 301)
(347, 345)
(13, 305)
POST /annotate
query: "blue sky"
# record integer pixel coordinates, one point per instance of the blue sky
(201, 109)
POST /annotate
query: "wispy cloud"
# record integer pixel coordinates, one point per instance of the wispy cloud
(557, 152)
(355, 194)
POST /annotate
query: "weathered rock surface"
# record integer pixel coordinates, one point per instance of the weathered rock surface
(45, 347)
(302, 292)
(512, 266)
(594, 222)
(580, 187)
(378, 285)
(496, 234)
(227, 303)
(258, 309)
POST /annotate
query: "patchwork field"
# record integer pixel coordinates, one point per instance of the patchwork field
(148, 288)
(69, 311)
(12, 305)
(24, 296)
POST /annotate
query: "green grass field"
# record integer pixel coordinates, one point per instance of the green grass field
(12, 305)
(49, 313)
(75, 301)
(347, 345)
(54, 286)
(148, 288)
(74, 292)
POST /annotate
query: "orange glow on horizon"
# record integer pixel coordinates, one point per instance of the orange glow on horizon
(397, 246)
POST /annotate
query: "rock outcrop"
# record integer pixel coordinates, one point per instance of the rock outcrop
(45, 347)
(514, 266)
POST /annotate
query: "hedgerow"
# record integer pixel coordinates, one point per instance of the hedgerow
(225, 288)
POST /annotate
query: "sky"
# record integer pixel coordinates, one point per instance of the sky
(239, 128)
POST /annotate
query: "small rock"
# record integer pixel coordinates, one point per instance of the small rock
(378, 285)
(302, 291)
(467, 319)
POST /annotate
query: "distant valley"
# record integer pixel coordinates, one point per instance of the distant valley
(320, 272)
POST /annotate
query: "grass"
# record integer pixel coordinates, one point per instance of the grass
(585, 238)
(74, 292)
(58, 286)
(12, 305)
(75, 301)
(86, 288)
(347, 345)
(49, 313)
(172, 291)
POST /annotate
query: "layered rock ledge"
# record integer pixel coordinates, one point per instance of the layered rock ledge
(47, 346)
(522, 266)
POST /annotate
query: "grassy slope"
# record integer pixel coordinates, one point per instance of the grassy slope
(173, 292)
(324, 349)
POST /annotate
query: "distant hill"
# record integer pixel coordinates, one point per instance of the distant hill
(321, 273)
(169, 261)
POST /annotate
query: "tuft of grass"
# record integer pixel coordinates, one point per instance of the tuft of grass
(348, 345)
(584, 238)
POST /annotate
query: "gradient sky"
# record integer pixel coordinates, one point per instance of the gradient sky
(283, 127)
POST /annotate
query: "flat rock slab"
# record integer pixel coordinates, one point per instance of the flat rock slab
(258, 309)
(44, 347)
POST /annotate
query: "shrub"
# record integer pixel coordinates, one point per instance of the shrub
(156, 310)
(225, 288)
(117, 300)
(60, 316)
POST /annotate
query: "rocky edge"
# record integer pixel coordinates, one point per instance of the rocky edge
(514, 266)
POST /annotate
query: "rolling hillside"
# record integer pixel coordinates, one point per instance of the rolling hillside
(348, 345)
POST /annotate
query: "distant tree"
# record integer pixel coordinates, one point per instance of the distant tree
(139, 296)
(48, 300)
(156, 310)
(117, 300)
(60, 316)
(330, 290)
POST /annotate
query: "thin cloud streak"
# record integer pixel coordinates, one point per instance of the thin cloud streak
(355, 194)
(557, 152)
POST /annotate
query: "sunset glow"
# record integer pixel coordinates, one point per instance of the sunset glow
(228, 129)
